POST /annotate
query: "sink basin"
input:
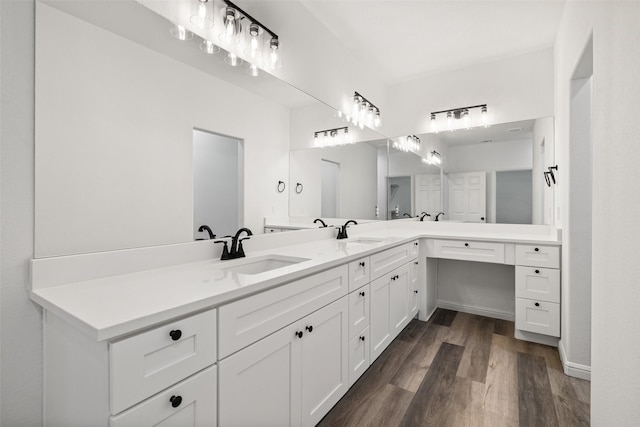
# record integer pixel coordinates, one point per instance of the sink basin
(364, 240)
(263, 264)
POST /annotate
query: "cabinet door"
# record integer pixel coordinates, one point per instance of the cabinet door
(358, 355)
(380, 320)
(399, 299)
(324, 360)
(260, 385)
(413, 289)
(358, 311)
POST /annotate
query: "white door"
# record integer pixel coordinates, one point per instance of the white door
(330, 189)
(380, 320)
(260, 385)
(324, 360)
(468, 196)
(428, 194)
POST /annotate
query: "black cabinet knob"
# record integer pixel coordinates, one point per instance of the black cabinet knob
(362, 264)
(416, 262)
(175, 401)
(466, 245)
(537, 304)
(361, 338)
(309, 328)
(481, 218)
(362, 293)
(175, 334)
(537, 271)
(415, 292)
(536, 249)
(299, 334)
(415, 244)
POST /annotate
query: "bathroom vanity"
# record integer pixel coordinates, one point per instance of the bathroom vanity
(172, 334)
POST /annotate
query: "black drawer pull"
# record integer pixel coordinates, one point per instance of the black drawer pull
(175, 334)
(362, 264)
(536, 249)
(415, 292)
(466, 245)
(361, 338)
(537, 304)
(309, 328)
(362, 293)
(175, 401)
(537, 271)
(299, 334)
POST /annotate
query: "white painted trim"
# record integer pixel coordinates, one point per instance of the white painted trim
(496, 314)
(573, 369)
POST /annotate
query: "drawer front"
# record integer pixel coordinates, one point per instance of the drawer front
(469, 250)
(247, 320)
(415, 247)
(358, 310)
(194, 399)
(144, 364)
(538, 283)
(358, 273)
(386, 261)
(538, 256)
(540, 317)
(359, 359)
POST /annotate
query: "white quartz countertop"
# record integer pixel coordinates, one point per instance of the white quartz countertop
(113, 306)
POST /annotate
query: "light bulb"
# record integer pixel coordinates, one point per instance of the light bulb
(274, 53)
(485, 118)
(356, 106)
(465, 119)
(208, 47)
(377, 122)
(347, 136)
(201, 19)
(370, 116)
(254, 43)
(232, 59)
(180, 32)
(232, 26)
(449, 120)
(253, 70)
(434, 123)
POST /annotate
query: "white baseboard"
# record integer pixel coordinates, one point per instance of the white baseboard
(573, 369)
(480, 311)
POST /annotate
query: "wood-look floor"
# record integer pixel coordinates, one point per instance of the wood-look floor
(460, 369)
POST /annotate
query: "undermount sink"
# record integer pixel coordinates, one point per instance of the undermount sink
(263, 264)
(364, 240)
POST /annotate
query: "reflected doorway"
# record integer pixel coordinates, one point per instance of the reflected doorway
(330, 189)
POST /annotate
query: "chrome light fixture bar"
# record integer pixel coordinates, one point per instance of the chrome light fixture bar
(458, 118)
(332, 137)
(364, 112)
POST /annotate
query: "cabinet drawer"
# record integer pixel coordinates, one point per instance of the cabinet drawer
(415, 247)
(197, 405)
(250, 319)
(358, 355)
(538, 283)
(538, 316)
(144, 364)
(358, 310)
(386, 261)
(358, 273)
(538, 256)
(469, 250)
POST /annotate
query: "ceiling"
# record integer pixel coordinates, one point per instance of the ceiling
(405, 39)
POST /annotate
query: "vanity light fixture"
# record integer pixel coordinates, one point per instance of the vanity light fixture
(332, 137)
(457, 118)
(436, 159)
(364, 112)
(407, 143)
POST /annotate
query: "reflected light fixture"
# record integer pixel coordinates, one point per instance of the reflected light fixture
(407, 143)
(462, 117)
(202, 19)
(332, 137)
(364, 112)
(180, 32)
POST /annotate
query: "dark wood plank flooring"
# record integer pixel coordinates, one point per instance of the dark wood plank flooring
(460, 369)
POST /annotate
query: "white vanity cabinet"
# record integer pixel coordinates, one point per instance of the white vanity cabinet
(538, 289)
(291, 377)
(165, 374)
(392, 295)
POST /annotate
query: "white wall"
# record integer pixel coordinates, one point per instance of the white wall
(358, 177)
(21, 339)
(514, 88)
(543, 157)
(615, 353)
(115, 158)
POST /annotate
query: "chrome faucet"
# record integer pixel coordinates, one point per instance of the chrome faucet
(438, 216)
(208, 230)
(236, 251)
(315, 221)
(342, 231)
(423, 214)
